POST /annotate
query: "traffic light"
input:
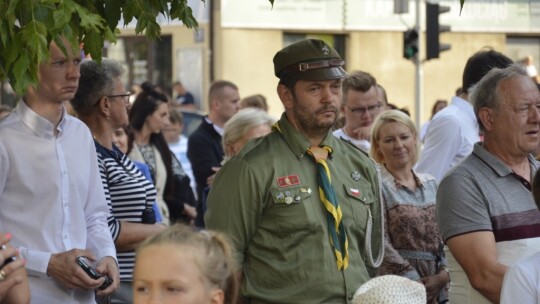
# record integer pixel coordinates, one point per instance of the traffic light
(410, 44)
(433, 29)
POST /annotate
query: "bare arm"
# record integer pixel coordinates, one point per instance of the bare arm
(132, 234)
(477, 254)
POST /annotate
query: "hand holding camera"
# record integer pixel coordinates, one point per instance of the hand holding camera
(63, 267)
(92, 272)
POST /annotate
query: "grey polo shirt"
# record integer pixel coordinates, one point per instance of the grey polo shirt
(483, 194)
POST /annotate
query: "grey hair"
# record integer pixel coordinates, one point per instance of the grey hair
(97, 80)
(242, 122)
(485, 94)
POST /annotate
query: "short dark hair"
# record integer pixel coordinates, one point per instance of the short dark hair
(479, 64)
(216, 89)
(358, 81)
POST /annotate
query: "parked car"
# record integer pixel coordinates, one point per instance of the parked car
(192, 120)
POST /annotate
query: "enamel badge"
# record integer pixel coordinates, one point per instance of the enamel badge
(286, 181)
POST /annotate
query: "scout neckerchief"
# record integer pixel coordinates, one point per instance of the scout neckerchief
(338, 238)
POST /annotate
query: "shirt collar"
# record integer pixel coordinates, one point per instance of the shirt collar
(217, 128)
(496, 164)
(297, 141)
(39, 125)
(390, 179)
(465, 106)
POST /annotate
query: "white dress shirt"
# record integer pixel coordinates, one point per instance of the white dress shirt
(450, 138)
(51, 197)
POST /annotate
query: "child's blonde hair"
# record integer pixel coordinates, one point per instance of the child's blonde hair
(215, 260)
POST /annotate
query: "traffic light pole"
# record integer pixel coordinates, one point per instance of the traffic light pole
(419, 73)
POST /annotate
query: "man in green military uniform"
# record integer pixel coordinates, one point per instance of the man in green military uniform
(302, 207)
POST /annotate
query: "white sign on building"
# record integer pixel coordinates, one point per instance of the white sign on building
(477, 16)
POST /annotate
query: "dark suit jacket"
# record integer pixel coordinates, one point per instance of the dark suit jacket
(204, 152)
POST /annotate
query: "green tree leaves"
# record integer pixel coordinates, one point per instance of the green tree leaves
(28, 26)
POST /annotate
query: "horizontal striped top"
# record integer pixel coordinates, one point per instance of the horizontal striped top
(128, 193)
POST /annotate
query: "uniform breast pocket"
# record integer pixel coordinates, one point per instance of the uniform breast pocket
(359, 199)
(294, 209)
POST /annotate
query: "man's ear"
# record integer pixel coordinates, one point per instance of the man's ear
(104, 106)
(285, 95)
(215, 103)
(486, 116)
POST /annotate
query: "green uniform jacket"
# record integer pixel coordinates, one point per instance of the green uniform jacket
(266, 200)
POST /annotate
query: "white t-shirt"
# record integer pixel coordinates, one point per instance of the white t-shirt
(522, 282)
(363, 144)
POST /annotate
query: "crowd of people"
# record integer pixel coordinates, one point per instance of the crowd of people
(340, 200)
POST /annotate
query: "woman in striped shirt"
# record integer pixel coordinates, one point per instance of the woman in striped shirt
(102, 103)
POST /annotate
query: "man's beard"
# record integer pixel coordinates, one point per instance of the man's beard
(310, 124)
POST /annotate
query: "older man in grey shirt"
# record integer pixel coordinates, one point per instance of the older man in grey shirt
(485, 208)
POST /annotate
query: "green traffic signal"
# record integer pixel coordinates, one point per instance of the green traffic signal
(410, 44)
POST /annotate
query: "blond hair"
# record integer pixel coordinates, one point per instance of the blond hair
(387, 117)
(215, 262)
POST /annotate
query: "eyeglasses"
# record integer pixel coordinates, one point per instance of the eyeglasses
(523, 109)
(125, 96)
(362, 110)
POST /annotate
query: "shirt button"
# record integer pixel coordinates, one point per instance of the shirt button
(65, 236)
(351, 296)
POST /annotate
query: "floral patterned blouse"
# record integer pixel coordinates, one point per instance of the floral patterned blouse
(413, 246)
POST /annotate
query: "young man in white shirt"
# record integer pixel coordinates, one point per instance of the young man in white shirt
(454, 130)
(51, 196)
(361, 104)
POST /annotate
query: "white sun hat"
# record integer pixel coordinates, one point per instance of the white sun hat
(390, 289)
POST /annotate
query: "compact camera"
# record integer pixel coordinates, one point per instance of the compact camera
(92, 272)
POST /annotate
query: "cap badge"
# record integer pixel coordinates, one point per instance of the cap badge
(325, 50)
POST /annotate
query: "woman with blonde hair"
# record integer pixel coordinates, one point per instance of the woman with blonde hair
(414, 246)
(180, 265)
